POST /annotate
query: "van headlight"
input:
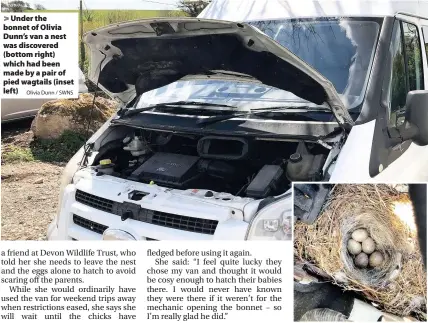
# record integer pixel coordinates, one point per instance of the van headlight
(273, 222)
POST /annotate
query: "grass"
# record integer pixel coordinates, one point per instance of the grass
(46, 150)
(14, 154)
(57, 150)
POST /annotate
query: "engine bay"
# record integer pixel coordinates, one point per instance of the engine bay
(246, 167)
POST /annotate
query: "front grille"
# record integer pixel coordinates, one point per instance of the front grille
(185, 223)
(89, 225)
(134, 211)
(94, 201)
(175, 221)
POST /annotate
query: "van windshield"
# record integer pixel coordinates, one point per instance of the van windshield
(341, 49)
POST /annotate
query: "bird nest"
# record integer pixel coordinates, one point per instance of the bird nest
(398, 286)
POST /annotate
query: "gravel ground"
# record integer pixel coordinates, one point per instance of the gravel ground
(29, 190)
(29, 195)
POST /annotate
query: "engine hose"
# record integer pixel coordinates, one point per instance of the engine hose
(323, 315)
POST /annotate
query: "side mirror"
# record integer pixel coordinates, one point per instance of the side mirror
(417, 117)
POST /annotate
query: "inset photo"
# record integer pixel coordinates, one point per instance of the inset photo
(360, 252)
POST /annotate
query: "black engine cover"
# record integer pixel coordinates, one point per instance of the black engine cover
(167, 169)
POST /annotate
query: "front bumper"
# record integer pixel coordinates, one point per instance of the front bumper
(177, 213)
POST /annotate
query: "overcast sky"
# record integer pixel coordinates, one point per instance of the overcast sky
(108, 4)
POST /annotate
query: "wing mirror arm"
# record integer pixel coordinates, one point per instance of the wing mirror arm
(399, 135)
(415, 127)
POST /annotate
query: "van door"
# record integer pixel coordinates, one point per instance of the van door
(368, 154)
(408, 161)
(424, 29)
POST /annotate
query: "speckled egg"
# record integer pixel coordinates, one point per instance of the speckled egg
(354, 247)
(368, 245)
(362, 260)
(360, 235)
(376, 259)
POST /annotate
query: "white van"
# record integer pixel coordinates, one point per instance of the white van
(218, 118)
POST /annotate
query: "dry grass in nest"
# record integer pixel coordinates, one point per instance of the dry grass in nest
(367, 206)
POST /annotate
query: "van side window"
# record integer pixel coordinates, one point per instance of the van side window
(398, 87)
(413, 56)
(407, 70)
(425, 32)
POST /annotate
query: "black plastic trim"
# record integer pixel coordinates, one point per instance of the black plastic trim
(245, 127)
(128, 210)
(89, 225)
(371, 106)
(382, 152)
(309, 200)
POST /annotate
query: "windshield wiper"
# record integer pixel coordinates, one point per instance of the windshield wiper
(129, 113)
(215, 119)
